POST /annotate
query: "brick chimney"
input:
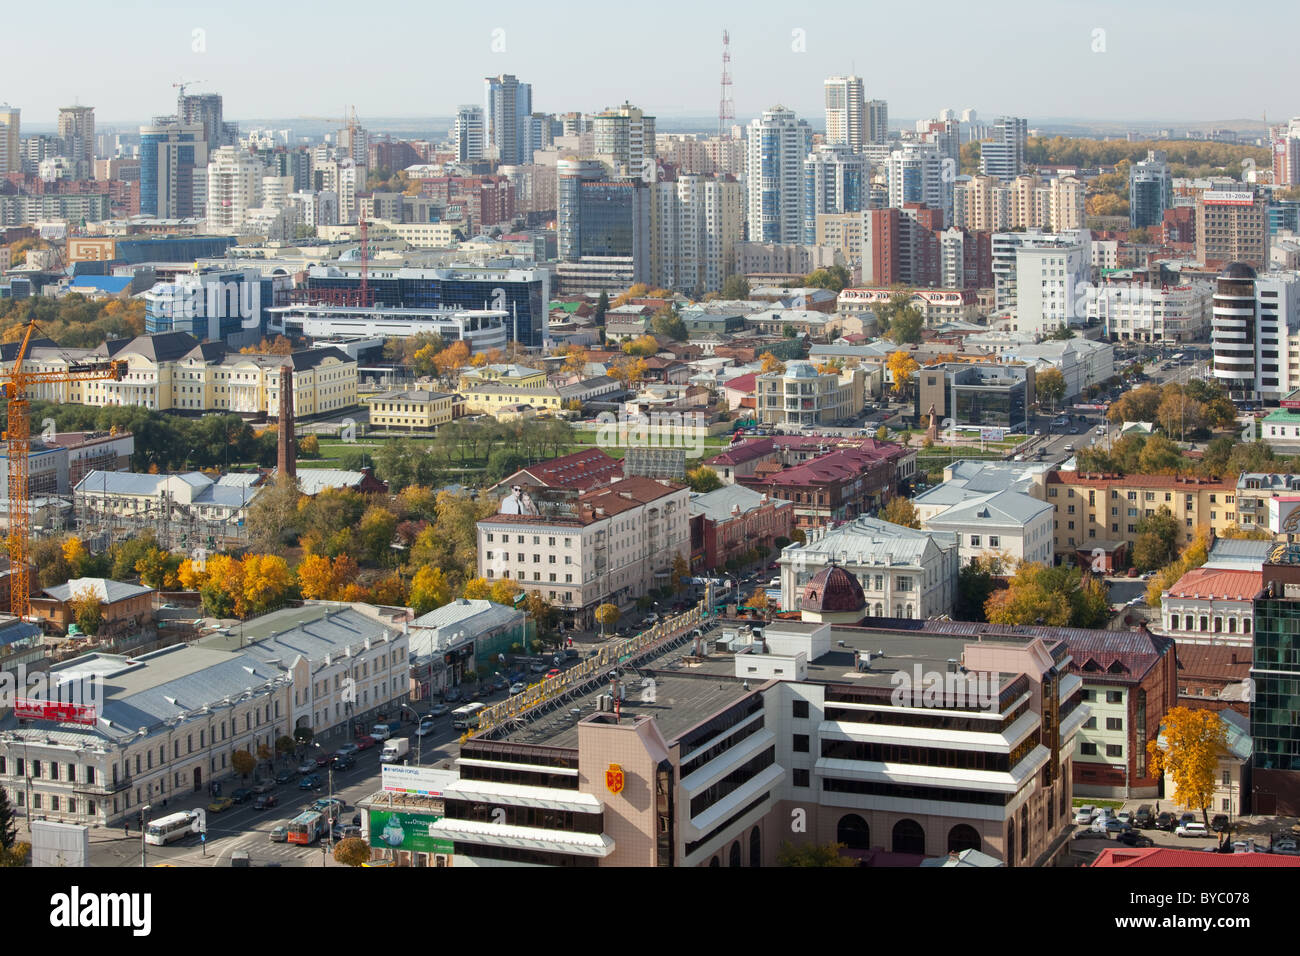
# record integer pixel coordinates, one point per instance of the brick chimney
(287, 460)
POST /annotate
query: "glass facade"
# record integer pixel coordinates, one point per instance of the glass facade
(1275, 711)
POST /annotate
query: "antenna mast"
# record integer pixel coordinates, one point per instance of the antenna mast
(726, 108)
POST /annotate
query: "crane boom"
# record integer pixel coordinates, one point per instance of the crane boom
(18, 439)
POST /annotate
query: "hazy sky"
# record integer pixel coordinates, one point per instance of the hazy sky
(1145, 60)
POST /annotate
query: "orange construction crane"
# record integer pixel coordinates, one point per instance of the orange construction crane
(18, 437)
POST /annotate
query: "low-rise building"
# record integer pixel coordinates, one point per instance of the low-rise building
(904, 573)
(176, 504)
(1009, 525)
(837, 486)
(1212, 606)
(413, 409)
(971, 395)
(459, 637)
(124, 608)
(801, 395)
(731, 520)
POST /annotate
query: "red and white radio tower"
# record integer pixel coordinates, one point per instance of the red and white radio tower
(726, 108)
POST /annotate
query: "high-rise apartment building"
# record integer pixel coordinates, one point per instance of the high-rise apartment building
(877, 121)
(916, 175)
(777, 144)
(11, 157)
(901, 246)
(77, 132)
(625, 139)
(985, 203)
(603, 235)
(206, 110)
(836, 180)
(173, 169)
(1284, 141)
(846, 112)
(1231, 226)
(1150, 190)
(508, 105)
(234, 188)
(1004, 155)
(697, 222)
(468, 134)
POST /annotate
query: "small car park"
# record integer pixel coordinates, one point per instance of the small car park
(1192, 829)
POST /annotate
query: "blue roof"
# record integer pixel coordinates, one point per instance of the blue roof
(112, 284)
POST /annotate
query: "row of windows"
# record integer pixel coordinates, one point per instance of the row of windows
(928, 756)
(541, 818)
(732, 781)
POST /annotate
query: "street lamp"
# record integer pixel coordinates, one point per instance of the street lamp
(329, 769)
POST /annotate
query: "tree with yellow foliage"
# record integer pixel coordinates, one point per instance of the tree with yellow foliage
(316, 580)
(901, 366)
(636, 291)
(575, 360)
(477, 589)
(1193, 742)
(451, 359)
(75, 553)
(1193, 556)
(429, 589)
(629, 371)
(267, 581)
(390, 591)
(504, 592)
(642, 346)
(771, 363)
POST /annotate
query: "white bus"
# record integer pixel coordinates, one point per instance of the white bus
(463, 718)
(173, 827)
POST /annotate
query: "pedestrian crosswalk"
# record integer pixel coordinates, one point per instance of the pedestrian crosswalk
(260, 849)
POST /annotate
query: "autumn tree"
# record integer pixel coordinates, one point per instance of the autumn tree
(1054, 596)
(703, 479)
(643, 346)
(758, 601)
(1156, 543)
(1050, 386)
(1193, 556)
(243, 763)
(543, 615)
(477, 589)
(629, 371)
(899, 510)
(771, 363)
(87, 610)
(267, 580)
(1193, 742)
(352, 852)
(451, 359)
(273, 515)
(504, 591)
(901, 366)
(607, 616)
(375, 533)
(429, 590)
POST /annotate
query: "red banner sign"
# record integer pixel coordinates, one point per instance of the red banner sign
(26, 708)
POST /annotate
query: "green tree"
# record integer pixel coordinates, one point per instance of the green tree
(273, 515)
(1156, 543)
(735, 287)
(375, 533)
(668, 323)
(1050, 387)
(813, 854)
(602, 306)
(905, 327)
(284, 745)
(703, 479)
(834, 278)
(8, 828)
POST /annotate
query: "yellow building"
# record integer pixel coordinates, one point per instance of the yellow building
(1102, 510)
(173, 371)
(493, 399)
(519, 376)
(414, 409)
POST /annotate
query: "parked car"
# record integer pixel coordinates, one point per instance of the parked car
(1245, 846)
(310, 782)
(1109, 825)
(553, 672)
(1187, 818)
(1083, 817)
(517, 688)
(347, 750)
(266, 801)
(365, 742)
(1166, 821)
(1285, 845)
(1133, 838)
(280, 834)
(1219, 823)
(1144, 817)
(220, 805)
(241, 795)
(1192, 829)
(345, 762)
(537, 668)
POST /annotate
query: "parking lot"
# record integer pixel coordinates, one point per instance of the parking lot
(1262, 831)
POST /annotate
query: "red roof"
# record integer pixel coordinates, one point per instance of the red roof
(745, 451)
(1214, 661)
(842, 465)
(1164, 482)
(582, 469)
(1218, 584)
(742, 383)
(1170, 856)
(1116, 656)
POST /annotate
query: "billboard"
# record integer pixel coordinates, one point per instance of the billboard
(423, 781)
(407, 831)
(91, 249)
(28, 708)
(988, 433)
(1284, 514)
(1228, 197)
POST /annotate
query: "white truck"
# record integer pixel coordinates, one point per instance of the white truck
(395, 750)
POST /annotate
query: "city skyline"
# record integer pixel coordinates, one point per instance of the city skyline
(778, 57)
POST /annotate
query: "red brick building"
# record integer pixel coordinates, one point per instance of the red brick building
(729, 521)
(1210, 677)
(837, 486)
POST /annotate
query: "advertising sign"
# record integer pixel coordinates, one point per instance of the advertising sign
(27, 708)
(988, 433)
(1284, 515)
(422, 781)
(407, 831)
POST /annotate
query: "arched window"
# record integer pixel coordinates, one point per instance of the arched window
(964, 837)
(1024, 830)
(1011, 843)
(755, 848)
(714, 862)
(909, 837)
(735, 854)
(853, 832)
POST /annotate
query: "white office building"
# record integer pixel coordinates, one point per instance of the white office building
(1007, 524)
(846, 112)
(468, 134)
